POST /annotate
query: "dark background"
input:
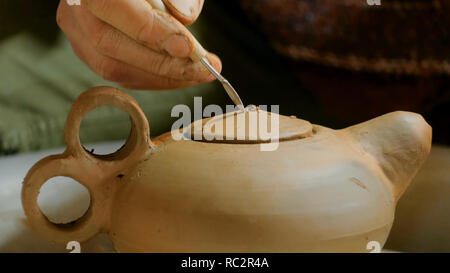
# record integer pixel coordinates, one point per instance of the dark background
(327, 95)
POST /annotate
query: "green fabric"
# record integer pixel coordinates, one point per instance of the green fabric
(39, 85)
(40, 77)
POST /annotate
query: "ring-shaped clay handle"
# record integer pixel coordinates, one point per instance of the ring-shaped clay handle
(95, 172)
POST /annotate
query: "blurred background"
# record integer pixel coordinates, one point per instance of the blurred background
(334, 63)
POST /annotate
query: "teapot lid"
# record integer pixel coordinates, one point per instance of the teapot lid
(251, 125)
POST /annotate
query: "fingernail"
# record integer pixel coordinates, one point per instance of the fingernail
(187, 8)
(178, 46)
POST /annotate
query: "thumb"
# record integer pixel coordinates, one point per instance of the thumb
(186, 11)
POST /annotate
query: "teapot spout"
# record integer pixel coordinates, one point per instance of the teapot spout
(400, 142)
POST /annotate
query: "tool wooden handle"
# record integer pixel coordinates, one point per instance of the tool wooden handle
(199, 52)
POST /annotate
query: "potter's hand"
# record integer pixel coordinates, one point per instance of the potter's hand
(135, 45)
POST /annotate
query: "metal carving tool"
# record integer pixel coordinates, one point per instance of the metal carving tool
(199, 55)
(234, 96)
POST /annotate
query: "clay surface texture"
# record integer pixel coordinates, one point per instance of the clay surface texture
(321, 190)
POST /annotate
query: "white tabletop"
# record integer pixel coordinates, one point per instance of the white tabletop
(15, 235)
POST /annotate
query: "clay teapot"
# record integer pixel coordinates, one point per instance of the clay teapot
(321, 190)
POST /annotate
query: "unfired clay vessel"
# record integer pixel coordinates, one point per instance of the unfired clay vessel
(322, 190)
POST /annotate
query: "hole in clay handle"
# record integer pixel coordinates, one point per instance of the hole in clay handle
(92, 171)
(80, 230)
(139, 140)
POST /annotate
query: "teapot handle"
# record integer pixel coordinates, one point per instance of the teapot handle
(80, 230)
(98, 173)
